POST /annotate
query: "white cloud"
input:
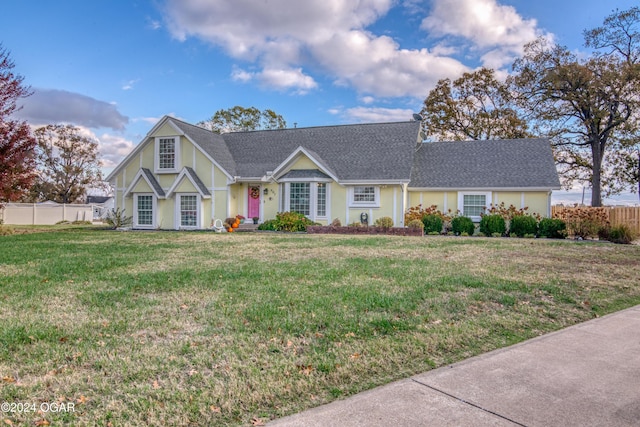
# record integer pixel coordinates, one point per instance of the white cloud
(50, 106)
(113, 148)
(367, 99)
(331, 36)
(129, 85)
(378, 115)
(496, 29)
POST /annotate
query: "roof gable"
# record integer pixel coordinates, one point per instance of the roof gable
(146, 175)
(514, 163)
(300, 152)
(190, 175)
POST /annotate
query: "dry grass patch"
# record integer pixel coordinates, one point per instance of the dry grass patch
(220, 329)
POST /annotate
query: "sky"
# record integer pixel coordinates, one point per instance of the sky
(115, 67)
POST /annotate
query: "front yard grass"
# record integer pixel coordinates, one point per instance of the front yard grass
(172, 328)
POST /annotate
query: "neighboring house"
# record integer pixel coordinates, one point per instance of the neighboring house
(182, 176)
(101, 205)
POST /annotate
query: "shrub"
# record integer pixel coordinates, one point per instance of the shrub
(418, 212)
(116, 218)
(621, 234)
(522, 225)
(552, 228)
(583, 222)
(492, 225)
(432, 223)
(604, 232)
(462, 224)
(415, 224)
(269, 225)
(292, 222)
(287, 221)
(336, 223)
(384, 222)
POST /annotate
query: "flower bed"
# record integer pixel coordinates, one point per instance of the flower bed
(394, 231)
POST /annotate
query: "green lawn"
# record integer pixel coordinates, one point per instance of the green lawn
(173, 328)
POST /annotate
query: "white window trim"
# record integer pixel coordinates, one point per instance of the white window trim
(313, 199)
(157, 169)
(461, 194)
(154, 212)
(353, 204)
(178, 216)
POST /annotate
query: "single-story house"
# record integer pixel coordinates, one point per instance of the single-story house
(101, 205)
(182, 176)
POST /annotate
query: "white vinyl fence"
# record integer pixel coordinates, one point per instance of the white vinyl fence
(44, 213)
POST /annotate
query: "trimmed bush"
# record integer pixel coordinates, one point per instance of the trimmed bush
(552, 228)
(384, 222)
(522, 225)
(432, 223)
(492, 225)
(621, 234)
(462, 224)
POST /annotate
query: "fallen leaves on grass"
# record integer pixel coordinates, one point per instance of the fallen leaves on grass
(257, 422)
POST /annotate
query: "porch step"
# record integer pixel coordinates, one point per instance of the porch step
(247, 227)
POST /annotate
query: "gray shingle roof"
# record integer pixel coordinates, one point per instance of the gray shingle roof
(196, 179)
(379, 151)
(212, 143)
(515, 163)
(154, 182)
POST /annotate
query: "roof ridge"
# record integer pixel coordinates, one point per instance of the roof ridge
(319, 127)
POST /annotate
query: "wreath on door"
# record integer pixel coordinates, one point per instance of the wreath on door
(255, 192)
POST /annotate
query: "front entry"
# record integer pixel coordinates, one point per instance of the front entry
(253, 202)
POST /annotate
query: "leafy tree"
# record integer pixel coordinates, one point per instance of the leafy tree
(586, 105)
(68, 164)
(475, 106)
(17, 164)
(238, 119)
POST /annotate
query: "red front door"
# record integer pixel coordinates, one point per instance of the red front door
(253, 202)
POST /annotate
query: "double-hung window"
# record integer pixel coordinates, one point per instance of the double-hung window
(364, 196)
(300, 197)
(167, 154)
(473, 204)
(143, 213)
(321, 199)
(189, 211)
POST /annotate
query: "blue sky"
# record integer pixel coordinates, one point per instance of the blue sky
(114, 67)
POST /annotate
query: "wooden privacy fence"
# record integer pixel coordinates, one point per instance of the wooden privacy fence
(618, 215)
(44, 213)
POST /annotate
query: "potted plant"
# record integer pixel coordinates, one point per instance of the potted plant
(240, 218)
(255, 219)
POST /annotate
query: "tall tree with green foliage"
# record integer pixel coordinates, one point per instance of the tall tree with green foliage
(68, 164)
(474, 106)
(17, 164)
(588, 106)
(239, 119)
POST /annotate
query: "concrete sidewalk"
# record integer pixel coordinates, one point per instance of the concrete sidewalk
(585, 375)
